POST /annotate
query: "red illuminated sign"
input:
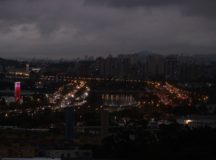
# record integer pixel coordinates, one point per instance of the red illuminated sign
(17, 92)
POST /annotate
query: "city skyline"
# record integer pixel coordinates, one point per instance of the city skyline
(71, 29)
(107, 79)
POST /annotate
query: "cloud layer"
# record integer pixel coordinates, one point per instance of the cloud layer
(75, 28)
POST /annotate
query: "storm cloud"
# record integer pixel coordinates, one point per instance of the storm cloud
(75, 28)
(199, 7)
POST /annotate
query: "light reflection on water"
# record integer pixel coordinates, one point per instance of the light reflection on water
(117, 99)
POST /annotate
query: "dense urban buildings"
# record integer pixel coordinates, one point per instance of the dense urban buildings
(80, 108)
(107, 79)
(141, 66)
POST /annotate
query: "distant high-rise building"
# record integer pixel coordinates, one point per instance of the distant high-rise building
(155, 66)
(186, 68)
(27, 68)
(172, 67)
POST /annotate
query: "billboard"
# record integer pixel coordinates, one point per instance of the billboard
(17, 92)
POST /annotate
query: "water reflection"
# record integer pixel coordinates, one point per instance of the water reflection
(118, 99)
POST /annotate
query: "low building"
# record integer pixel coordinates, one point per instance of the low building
(17, 150)
(70, 154)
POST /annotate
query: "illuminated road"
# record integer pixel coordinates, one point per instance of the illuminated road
(73, 94)
(169, 95)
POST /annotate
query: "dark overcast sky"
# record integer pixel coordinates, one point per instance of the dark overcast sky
(75, 28)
